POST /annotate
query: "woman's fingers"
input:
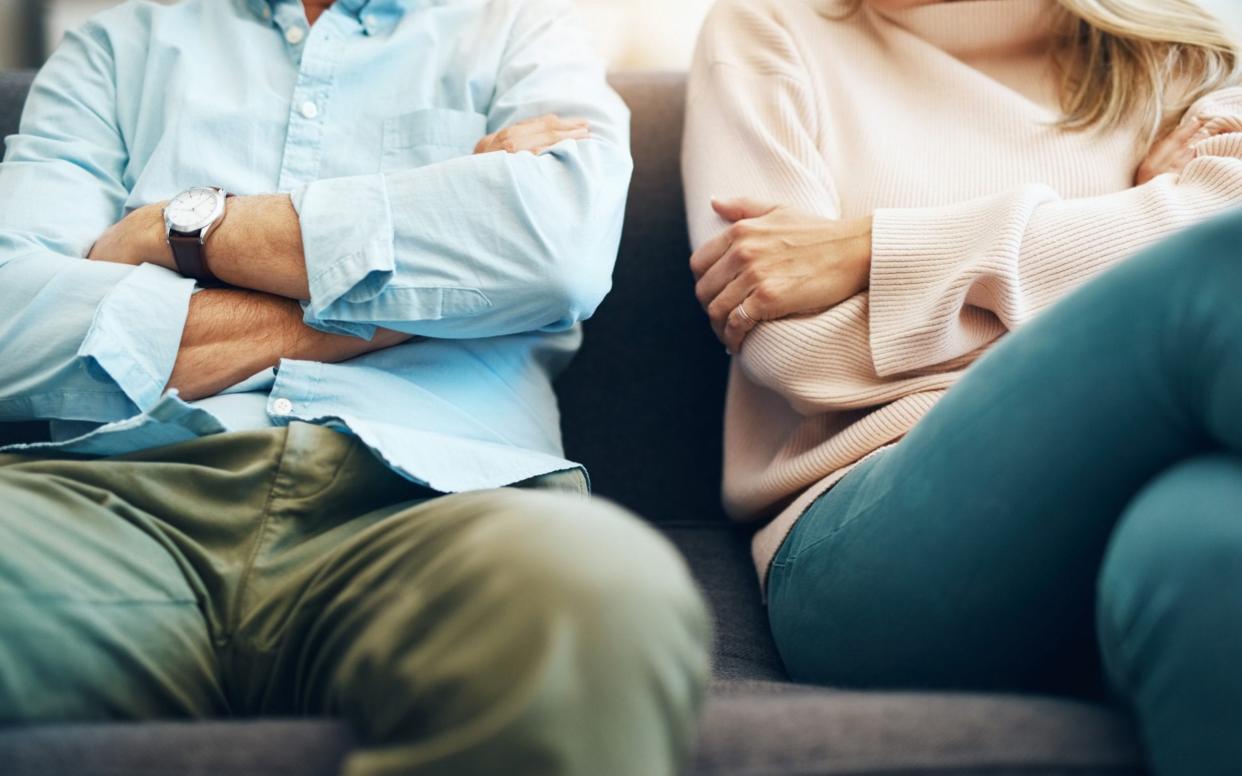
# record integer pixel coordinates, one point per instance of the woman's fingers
(718, 276)
(1172, 153)
(1221, 125)
(740, 323)
(709, 253)
(721, 309)
(741, 208)
(712, 251)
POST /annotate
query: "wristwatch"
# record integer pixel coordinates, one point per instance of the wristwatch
(189, 220)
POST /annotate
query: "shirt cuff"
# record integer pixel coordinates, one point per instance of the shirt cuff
(136, 333)
(348, 250)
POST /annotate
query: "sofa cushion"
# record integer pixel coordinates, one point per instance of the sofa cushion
(750, 729)
(13, 89)
(719, 559)
(754, 729)
(267, 748)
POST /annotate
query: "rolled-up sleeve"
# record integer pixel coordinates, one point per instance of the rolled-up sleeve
(79, 340)
(490, 244)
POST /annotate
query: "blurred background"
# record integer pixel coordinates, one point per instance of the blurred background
(631, 34)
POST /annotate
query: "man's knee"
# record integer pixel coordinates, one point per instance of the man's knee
(567, 624)
(594, 564)
(527, 563)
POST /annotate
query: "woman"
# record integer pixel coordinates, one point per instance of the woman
(905, 183)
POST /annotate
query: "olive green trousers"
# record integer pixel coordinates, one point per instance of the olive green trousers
(288, 572)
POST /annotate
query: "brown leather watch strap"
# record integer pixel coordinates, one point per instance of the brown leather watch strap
(187, 250)
(188, 254)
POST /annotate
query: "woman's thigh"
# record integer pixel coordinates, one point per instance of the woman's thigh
(967, 555)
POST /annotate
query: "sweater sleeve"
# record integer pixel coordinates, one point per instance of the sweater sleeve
(946, 281)
(751, 123)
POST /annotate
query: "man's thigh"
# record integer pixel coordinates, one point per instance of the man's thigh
(456, 630)
(97, 619)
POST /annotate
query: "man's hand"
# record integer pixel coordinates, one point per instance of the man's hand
(776, 262)
(139, 238)
(534, 135)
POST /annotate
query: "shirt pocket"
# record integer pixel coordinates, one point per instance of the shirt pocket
(429, 136)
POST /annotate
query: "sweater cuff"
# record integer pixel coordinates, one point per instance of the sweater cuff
(923, 265)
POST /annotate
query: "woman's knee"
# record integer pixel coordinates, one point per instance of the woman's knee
(1173, 569)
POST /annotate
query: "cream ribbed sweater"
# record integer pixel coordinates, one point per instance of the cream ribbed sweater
(937, 120)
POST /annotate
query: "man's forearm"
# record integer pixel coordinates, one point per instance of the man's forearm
(232, 334)
(258, 246)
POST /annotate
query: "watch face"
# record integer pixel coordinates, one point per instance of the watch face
(192, 210)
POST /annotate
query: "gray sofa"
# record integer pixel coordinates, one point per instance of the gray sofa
(642, 408)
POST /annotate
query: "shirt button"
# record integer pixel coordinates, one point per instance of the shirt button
(295, 35)
(309, 110)
(282, 406)
(370, 21)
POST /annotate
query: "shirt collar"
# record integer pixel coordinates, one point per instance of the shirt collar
(385, 12)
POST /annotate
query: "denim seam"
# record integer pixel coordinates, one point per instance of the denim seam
(793, 556)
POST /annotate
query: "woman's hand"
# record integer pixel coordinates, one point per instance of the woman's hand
(775, 262)
(1172, 153)
(535, 135)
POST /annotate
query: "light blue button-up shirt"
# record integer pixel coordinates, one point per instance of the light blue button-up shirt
(369, 119)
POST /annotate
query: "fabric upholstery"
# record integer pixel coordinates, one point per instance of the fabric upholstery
(754, 728)
(267, 748)
(744, 647)
(642, 406)
(13, 89)
(750, 729)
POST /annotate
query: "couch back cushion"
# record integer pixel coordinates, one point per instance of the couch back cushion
(642, 404)
(13, 88)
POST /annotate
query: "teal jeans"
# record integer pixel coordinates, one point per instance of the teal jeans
(1075, 501)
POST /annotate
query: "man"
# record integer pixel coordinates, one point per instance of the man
(284, 423)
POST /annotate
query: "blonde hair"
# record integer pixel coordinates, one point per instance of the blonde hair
(1143, 61)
